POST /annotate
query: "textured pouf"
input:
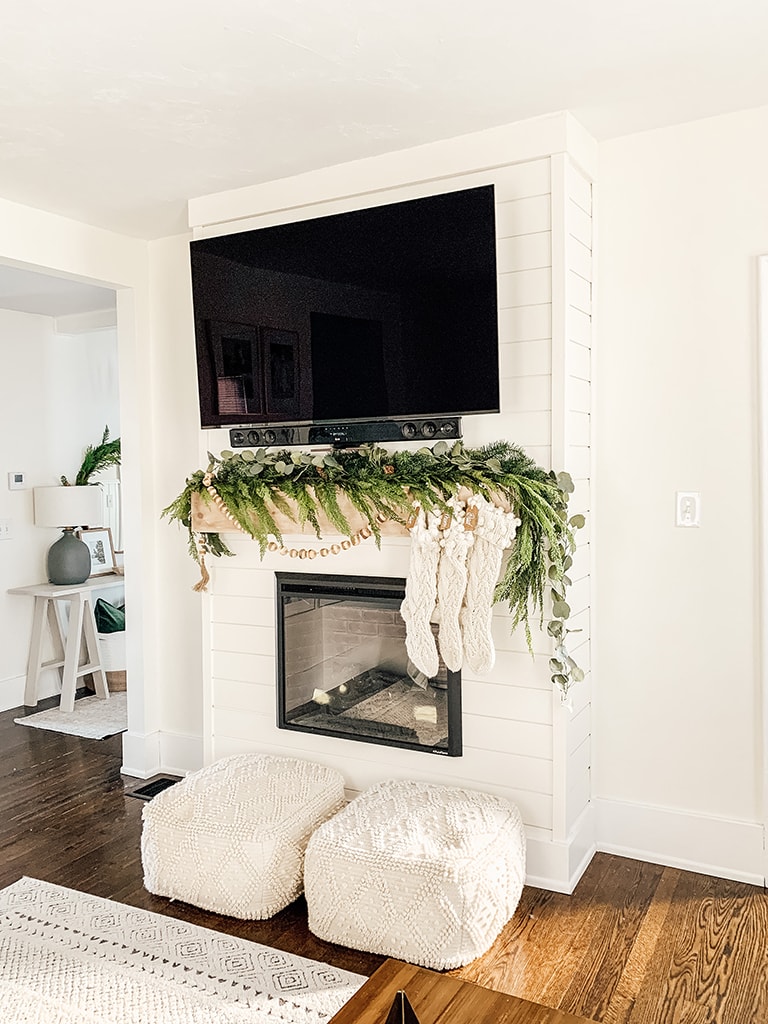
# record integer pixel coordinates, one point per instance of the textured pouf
(419, 872)
(231, 837)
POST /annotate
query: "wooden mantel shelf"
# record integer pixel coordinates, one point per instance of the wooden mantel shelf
(207, 518)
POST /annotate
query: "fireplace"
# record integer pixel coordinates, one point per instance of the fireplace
(343, 670)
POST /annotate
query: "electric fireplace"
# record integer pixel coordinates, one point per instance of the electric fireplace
(343, 669)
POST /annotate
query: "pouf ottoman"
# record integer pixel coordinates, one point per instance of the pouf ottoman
(419, 872)
(231, 837)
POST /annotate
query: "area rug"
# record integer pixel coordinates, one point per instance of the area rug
(70, 958)
(92, 717)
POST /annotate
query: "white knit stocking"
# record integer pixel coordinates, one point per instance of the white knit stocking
(421, 592)
(495, 531)
(452, 584)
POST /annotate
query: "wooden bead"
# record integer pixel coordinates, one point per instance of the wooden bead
(293, 553)
(272, 546)
(335, 549)
(365, 533)
(355, 540)
(303, 553)
(324, 552)
(311, 553)
(283, 551)
(346, 545)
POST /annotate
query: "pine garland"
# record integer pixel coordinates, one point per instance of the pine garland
(378, 482)
(95, 458)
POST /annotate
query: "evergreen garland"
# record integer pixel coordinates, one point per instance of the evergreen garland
(378, 482)
(96, 458)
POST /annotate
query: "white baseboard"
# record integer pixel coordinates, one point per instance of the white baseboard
(681, 839)
(12, 690)
(558, 866)
(160, 752)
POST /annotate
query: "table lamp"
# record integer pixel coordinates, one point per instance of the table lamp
(68, 509)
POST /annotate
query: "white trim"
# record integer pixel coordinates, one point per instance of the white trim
(681, 839)
(762, 454)
(180, 754)
(434, 161)
(141, 754)
(558, 866)
(84, 323)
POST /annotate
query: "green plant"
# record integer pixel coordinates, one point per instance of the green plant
(378, 482)
(97, 458)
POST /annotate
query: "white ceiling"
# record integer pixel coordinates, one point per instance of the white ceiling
(29, 291)
(116, 114)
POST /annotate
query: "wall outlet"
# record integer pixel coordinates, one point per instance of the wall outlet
(5, 529)
(688, 508)
(16, 481)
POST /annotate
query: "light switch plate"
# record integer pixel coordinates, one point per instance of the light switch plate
(16, 481)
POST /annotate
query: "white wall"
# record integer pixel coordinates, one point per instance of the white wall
(682, 217)
(56, 394)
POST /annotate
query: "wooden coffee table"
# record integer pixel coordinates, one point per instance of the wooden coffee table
(442, 999)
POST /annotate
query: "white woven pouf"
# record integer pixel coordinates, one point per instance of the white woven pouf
(231, 837)
(424, 873)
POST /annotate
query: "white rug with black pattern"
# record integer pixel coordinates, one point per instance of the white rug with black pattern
(70, 958)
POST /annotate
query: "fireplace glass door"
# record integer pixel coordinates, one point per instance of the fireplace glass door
(343, 669)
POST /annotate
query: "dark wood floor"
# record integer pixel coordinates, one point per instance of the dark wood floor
(635, 944)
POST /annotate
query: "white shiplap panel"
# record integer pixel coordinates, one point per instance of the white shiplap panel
(524, 252)
(578, 596)
(526, 394)
(240, 696)
(231, 577)
(508, 700)
(578, 728)
(579, 395)
(579, 327)
(579, 293)
(578, 460)
(525, 288)
(525, 323)
(517, 181)
(581, 499)
(525, 359)
(578, 360)
(579, 224)
(579, 795)
(581, 561)
(247, 668)
(540, 454)
(577, 427)
(523, 216)
(513, 665)
(579, 258)
(578, 189)
(243, 610)
(493, 733)
(243, 639)
(528, 429)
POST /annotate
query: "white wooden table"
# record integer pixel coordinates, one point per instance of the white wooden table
(67, 645)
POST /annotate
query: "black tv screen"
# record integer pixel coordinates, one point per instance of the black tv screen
(386, 313)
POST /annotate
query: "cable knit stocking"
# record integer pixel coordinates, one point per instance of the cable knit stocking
(452, 584)
(495, 531)
(421, 592)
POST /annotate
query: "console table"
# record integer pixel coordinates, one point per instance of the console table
(442, 999)
(67, 646)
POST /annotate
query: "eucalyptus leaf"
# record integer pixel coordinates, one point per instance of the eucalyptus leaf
(226, 454)
(561, 609)
(440, 448)
(247, 456)
(555, 628)
(565, 482)
(281, 467)
(577, 521)
(555, 665)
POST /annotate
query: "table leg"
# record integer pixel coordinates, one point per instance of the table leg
(93, 650)
(72, 652)
(34, 665)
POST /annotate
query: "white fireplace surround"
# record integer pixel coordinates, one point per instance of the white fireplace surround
(519, 741)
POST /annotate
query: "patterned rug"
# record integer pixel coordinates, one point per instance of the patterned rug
(92, 717)
(70, 958)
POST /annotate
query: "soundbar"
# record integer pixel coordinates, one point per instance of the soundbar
(348, 435)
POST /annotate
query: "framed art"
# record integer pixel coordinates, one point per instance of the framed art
(99, 543)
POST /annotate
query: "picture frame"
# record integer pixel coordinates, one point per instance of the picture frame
(99, 542)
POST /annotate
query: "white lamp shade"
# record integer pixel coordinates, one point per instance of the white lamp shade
(66, 507)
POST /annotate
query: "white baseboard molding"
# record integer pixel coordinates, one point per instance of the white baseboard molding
(558, 865)
(160, 753)
(681, 839)
(12, 690)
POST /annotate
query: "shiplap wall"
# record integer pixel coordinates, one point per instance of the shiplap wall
(518, 741)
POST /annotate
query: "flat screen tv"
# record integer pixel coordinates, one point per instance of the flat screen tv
(359, 326)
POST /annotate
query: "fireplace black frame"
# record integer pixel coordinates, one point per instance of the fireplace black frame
(387, 589)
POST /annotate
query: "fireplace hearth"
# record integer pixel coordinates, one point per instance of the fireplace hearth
(343, 669)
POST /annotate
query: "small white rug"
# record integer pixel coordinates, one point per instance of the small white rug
(93, 717)
(70, 958)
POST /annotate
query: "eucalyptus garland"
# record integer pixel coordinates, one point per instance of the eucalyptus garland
(384, 484)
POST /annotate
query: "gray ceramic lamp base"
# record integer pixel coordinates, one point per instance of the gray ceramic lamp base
(69, 560)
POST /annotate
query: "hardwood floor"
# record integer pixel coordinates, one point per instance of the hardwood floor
(635, 944)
